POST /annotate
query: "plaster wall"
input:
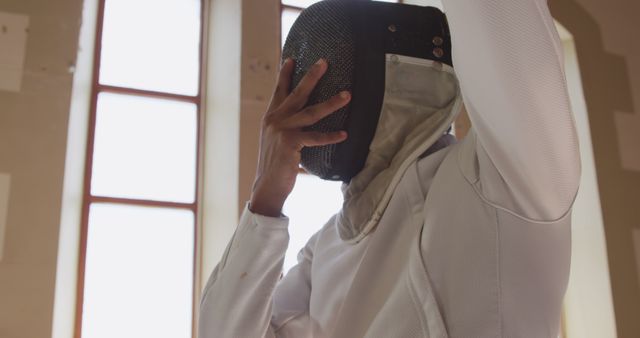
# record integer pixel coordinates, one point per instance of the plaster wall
(33, 134)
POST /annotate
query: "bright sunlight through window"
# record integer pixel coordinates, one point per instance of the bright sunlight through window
(310, 205)
(139, 217)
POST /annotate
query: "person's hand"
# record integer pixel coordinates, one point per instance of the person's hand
(282, 137)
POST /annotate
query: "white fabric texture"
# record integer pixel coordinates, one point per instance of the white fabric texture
(421, 100)
(474, 240)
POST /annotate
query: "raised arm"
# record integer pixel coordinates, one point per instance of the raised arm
(509, 60)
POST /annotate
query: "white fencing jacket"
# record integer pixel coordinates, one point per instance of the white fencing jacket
(472, 240)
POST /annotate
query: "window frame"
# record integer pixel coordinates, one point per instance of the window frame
(88, 198)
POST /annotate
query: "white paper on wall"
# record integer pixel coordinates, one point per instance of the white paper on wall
(5, 182)
(14, 29)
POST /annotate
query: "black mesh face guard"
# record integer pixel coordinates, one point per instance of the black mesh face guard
(354, 36)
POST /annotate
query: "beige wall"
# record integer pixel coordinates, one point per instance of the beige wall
(33, 132)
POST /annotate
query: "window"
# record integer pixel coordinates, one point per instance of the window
(141, 194)
(309, 206)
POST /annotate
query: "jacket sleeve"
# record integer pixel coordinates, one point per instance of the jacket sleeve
(240, 299)
(509, 60)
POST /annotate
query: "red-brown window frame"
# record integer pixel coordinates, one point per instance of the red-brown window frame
(88, 199)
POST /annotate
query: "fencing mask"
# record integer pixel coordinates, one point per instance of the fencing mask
(359, 39)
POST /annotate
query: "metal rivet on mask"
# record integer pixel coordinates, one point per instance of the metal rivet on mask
(438, 52)
(335, 177)
(392, 28)
(437, 40)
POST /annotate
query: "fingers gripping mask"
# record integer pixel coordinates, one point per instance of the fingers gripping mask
(356, 38)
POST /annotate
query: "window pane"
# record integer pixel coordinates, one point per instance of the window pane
(139, 272)
(151, 45)
(309, 206)
(289, 16)
(145, 148)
